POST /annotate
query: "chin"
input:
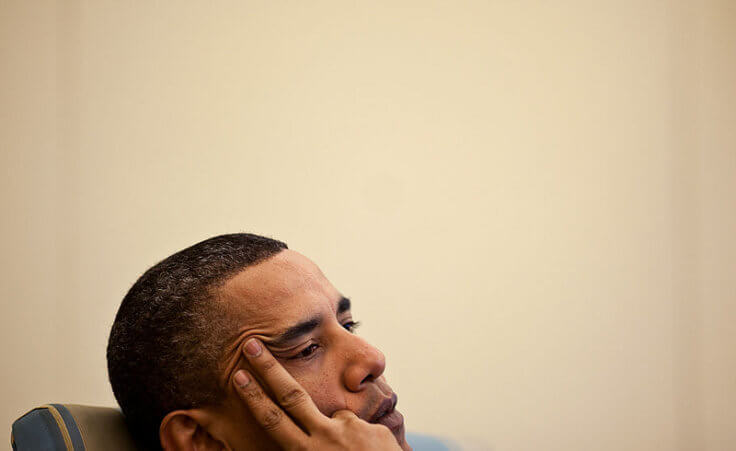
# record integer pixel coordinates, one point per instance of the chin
(395, 422)
(401, 439)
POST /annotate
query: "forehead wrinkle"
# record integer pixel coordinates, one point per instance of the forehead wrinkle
(233, 353)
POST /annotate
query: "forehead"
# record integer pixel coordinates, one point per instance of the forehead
(287, 286)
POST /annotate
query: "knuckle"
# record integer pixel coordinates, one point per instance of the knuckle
(293, 398)
(349, 419)
(271, 419)
(339, 415)
(346, 419)
(253, 395)
(268, 364)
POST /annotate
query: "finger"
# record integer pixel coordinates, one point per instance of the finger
(271, 418)
(289, 394)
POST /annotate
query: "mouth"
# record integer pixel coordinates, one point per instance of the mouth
(387, 415)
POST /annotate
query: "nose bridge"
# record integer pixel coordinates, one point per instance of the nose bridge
(365, 363)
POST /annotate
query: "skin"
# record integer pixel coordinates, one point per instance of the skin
(305, 427)
(338, 369)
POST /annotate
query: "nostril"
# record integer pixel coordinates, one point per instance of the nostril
(365, 364)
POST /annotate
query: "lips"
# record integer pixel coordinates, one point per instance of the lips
(387, 415)
(385, 407)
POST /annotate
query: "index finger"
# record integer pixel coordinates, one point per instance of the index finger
(289, 394)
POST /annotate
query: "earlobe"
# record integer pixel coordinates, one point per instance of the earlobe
(185, 430)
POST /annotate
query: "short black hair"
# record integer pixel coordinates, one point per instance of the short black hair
(169, 332)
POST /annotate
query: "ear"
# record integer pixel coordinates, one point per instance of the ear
(187, 430)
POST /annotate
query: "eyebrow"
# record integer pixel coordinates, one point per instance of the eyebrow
(303, 328)
(343, 305)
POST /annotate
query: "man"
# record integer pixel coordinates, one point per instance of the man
(239, 343)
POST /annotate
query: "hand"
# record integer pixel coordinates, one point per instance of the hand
(318, 432)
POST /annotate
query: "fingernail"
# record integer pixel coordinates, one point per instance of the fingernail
(253, 348)
(241, 379)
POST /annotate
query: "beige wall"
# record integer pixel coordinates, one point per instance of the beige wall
(532, 204)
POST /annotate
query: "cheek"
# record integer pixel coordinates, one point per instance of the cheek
(325, 389)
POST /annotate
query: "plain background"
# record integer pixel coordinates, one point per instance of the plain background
(532, 204)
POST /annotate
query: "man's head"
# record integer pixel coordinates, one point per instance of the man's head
(178, 336)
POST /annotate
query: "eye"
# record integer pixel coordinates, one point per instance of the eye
(350, 326)
(306, 352)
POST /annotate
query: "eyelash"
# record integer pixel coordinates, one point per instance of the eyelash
(307, 352)
(350, 326)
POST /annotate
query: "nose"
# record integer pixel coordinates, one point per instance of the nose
(365, 364)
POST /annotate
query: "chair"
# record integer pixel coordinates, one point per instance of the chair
(72, 427)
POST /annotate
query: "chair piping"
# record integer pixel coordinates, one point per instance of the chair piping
(82, 431)
(62, 426)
